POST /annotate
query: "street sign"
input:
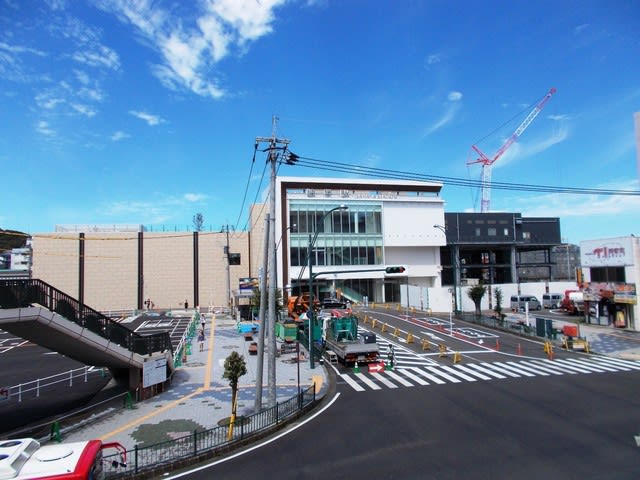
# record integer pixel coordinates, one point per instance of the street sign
(376, 367)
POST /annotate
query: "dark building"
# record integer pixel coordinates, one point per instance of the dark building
(496, 248)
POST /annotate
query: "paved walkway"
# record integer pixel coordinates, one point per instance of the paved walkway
(199, 396)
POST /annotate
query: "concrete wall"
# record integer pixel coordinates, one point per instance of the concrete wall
(111, 267)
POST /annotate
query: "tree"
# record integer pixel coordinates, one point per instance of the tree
(235, 366)
(476, 293)
(255, 301)
(498, 306)
(198, 221)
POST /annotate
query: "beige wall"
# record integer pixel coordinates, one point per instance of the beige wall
(111, 267)
(55, 260)
(111, 270)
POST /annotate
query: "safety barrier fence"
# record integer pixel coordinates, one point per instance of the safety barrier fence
(153, 460)
(34, 388)
(26, 293)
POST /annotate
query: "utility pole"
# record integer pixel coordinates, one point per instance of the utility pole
(275, 147)
(262, 317)
(226, 254)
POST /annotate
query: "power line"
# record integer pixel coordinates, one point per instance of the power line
(451, 181)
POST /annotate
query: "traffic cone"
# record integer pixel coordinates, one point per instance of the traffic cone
(356, 368)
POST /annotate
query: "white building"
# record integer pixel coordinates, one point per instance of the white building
(611, 269)
(382, 223)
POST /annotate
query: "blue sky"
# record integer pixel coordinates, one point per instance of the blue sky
(146, 112)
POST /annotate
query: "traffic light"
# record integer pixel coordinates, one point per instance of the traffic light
(394, 269)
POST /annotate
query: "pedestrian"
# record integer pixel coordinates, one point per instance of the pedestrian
(201, 339)
(186, 304)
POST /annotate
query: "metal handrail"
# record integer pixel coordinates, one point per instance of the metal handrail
(26, 293)
(41, 383)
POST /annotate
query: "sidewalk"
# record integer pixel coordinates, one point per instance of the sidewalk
(199, 397)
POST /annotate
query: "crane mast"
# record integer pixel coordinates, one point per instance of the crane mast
(487, 162)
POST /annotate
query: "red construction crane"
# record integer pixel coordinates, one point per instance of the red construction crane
(487, 162)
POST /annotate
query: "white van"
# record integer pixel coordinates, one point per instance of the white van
(552, 300)
(518, 303)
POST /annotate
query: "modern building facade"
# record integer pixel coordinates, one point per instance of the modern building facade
(611, 270)
(352, 229)
(494, 248)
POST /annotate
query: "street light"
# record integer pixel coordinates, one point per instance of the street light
(310, 312)
(454, 268)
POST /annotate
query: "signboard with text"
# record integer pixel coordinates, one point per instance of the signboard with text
(612, 252)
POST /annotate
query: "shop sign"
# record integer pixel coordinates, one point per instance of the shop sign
(606, 253)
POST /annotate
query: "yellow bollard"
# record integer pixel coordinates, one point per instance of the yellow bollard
(443, 350)
(374, 323)
(395, 332)
(409, 337)
(457, 358)
(398, 307)
(366, 319)
(384, 328)
(425, 344)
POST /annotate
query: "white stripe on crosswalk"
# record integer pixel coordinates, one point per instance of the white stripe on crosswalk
(543, 368)
(369, 382)
(427, 375)
(381, 378)
(589, 364)
(555, 366)
(566, 363)
(481, 367)
(458, 373)
(471, 371)
(514, 368)
(398, 378)
(436, 371)
(352, 383)
(530, 369)
(497, 368)
(415, 378)
(620, 363)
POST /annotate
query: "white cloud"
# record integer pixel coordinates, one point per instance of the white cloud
(434, 58)
(189, 53)
(521, 150)
(44, 128)
(452, 106)
(99, 56)
(119, 135)
(194, 197)
(152, 120)
(579, 29)
(85, 110)
(160, 209)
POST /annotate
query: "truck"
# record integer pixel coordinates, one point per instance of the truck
(573, 302)
(340, 335)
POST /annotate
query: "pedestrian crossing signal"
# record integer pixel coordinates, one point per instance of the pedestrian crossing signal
(394, 270)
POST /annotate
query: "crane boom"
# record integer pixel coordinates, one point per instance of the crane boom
(487, 162)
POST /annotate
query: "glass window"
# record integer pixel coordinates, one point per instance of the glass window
(491, 231)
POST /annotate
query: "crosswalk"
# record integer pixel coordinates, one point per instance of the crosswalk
(437, 374)
(403, 357)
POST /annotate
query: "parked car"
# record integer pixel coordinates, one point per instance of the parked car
(552, 300)
(519, 302)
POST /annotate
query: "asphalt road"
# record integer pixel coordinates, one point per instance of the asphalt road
(570, 417)
(568, 427)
